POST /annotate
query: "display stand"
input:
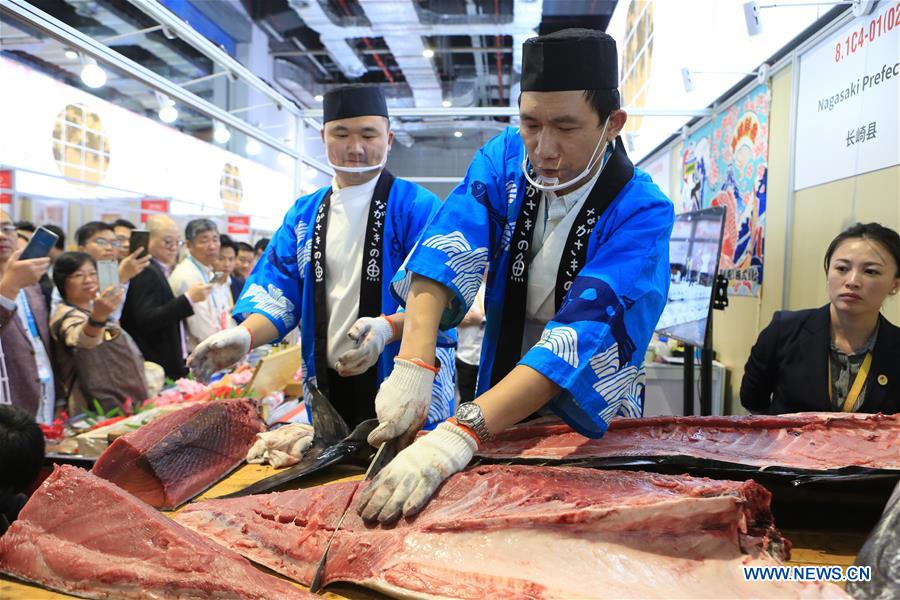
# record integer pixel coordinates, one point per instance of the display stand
(720, 301)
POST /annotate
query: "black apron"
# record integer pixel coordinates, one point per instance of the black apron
(616, 174)
(353, 397)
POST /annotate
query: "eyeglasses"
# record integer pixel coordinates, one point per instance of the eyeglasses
(170, 243)
(105, 243)
(82, 276)
(7, 229)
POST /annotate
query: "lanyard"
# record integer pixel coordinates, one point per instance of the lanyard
(29, 317)
(200, 268)
(42, 360)
(858, 383)
(222, 314)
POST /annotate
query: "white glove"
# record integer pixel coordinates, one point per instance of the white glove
(282, 447)
(219, 351)
(402, 403)
(409, 481)
(371, 335)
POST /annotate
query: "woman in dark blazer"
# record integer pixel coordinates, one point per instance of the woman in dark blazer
(844, 356)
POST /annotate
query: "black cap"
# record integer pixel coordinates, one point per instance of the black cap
(350, 101)
(571, 59)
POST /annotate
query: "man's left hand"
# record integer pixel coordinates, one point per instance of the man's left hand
(370, 335)
(408, 482)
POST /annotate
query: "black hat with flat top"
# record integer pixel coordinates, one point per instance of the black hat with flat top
(570, 59)
(350, 101)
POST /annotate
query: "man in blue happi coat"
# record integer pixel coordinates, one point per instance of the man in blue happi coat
(329, 267)
(576, 244)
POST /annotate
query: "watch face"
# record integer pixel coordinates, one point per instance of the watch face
(468, 410)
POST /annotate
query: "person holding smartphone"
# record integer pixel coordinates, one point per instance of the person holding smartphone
(153, 315)
(25, 364)
(98, 239)
(95, 359)
(213, 314)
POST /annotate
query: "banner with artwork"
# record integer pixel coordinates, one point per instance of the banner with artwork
(725, 163)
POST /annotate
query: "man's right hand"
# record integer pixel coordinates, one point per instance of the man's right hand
(22, 273)
(131, 266)
(198, 292)
(219, 351)
(402, 403)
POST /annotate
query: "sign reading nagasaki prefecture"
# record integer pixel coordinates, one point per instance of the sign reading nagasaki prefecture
(848, 121)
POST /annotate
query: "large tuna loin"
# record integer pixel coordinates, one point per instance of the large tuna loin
(82, 535)
(813, 441)
(172, 459)
(523, 532)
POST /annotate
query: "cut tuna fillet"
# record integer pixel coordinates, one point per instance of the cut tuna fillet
(816, 441)
(523, 532)
(176, 457)
(83, 535)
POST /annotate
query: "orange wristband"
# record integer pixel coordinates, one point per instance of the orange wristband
(393, 327)
(423, 364)
(467, 429)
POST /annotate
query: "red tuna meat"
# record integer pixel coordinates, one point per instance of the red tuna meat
(817, 441)
(82, 535)
(523, 532)
(172, 459)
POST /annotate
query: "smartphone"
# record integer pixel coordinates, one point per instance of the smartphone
(40, 244)
(107, 274)
(140, 238)
(219, 277)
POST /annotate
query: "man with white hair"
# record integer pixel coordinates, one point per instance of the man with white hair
(213, 314)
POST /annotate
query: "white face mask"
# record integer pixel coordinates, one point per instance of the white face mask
(551, 184)
(365, 169)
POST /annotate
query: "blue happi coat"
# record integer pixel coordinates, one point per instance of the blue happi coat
(281, 285)
(594, 347)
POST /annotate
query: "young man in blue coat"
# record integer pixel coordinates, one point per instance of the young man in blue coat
(576, 244)
(329, 267)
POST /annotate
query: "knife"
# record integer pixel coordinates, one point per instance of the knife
(386, 452)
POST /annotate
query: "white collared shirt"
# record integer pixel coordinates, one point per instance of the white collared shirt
(547, 247)
(211, 315)
(344, 240)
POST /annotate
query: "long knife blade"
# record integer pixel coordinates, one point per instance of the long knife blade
(385, 454)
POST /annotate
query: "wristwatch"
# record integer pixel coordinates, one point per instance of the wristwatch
(470, 415)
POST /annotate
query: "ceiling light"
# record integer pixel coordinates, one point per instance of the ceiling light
(167, 111)
(221, 134)
(71, 54)
(252, 148)
(318, 97)
(446, 104)
(92, 75)
(457, 134)
(427, 52)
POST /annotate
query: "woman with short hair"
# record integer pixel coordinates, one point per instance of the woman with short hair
(841, 357)
(95, 358)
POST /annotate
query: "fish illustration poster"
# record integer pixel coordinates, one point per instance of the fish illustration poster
(725, 163)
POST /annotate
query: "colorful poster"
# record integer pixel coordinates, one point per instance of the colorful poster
(725, 163)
